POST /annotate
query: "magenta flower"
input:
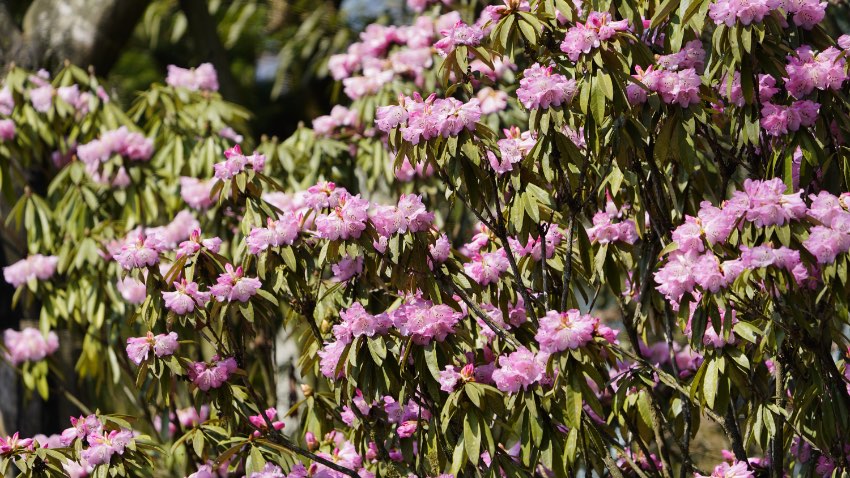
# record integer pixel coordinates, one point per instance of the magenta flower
(7, 130)
(347, 268)
(232, 286)
(560, 331)
(540, 88)
(29, 345)
(186, 296)
(284, 231)
(270, 470)
(81, 428)
(132, 290)
(260, 422)
(202, 78)
(104, 446)
(12, 444)
(33, 267)
(739, 469)
(197, 192)
(196, 243)
(140, 251)
(486, 268)
(346, 221)
(519, 370)
(513, 149)
(163, 345)
(235, 162)
(330, 356)
(441, 249)
(459, 34)
(211, 375)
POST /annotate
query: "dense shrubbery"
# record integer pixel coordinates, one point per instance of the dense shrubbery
(442, 250)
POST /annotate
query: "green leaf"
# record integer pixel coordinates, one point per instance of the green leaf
(472, 436)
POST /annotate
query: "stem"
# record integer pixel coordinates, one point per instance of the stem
(568, 263)
(502, 233)
(734, 434)
(778, 459)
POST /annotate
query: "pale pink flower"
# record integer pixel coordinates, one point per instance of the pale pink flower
(233, 286)
(29, 345)
(162, 345)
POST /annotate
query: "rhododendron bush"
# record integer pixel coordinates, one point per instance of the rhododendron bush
(535, 239)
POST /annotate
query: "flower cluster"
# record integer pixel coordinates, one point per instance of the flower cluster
(283, 231)
(235, 162)
(808, 71)
(459, 34)
(128, 144)
(341, 118)
(582, 38)
(378, 64)
(674, 87)
(233, 286)
(764, 204)
(202, 78)
(163, 345)
(261, 422)
(29, 345)
(561, 331)
(519, 370)
(606, 231)
(540, 88)
(777, 120)
(33, 267)
(102, 443)
(424, 119)
(512, 149)
(212, 374)
(806, 13)
(185, 297)
(197, 192)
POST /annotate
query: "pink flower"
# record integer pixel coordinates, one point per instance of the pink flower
(768, 205)
(197, 192)
(441, 249)
(260, 422)
(11, 444)
(486, 268)
(7, 101)
(140, 251)
(826, 243)
(807, 71)
(42, 97)
(459, 34)
(519, 370)
(202, 78)
(330, 356)
(7, 130)
(132, 290)
(491, 100)
(29, 345)
(605, 231)
(389, 117)
(235, 162)
(560, 331)
(346, 221)
(739, 469)
(81, 427)
(195, 243)
(512, 149)
(540, 88)
(211, 375)
(347, 268)
(33, 267)
(104, 446)
(233, 286)
(77, 469)
(270, 470)
(425, 321)
(284, 231)
(163, 345)
(777, 120)
(186, 296)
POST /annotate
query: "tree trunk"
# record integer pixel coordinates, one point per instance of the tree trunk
(85, 32)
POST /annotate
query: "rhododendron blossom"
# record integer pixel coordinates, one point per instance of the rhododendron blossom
(29, 345)
(163, 345)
